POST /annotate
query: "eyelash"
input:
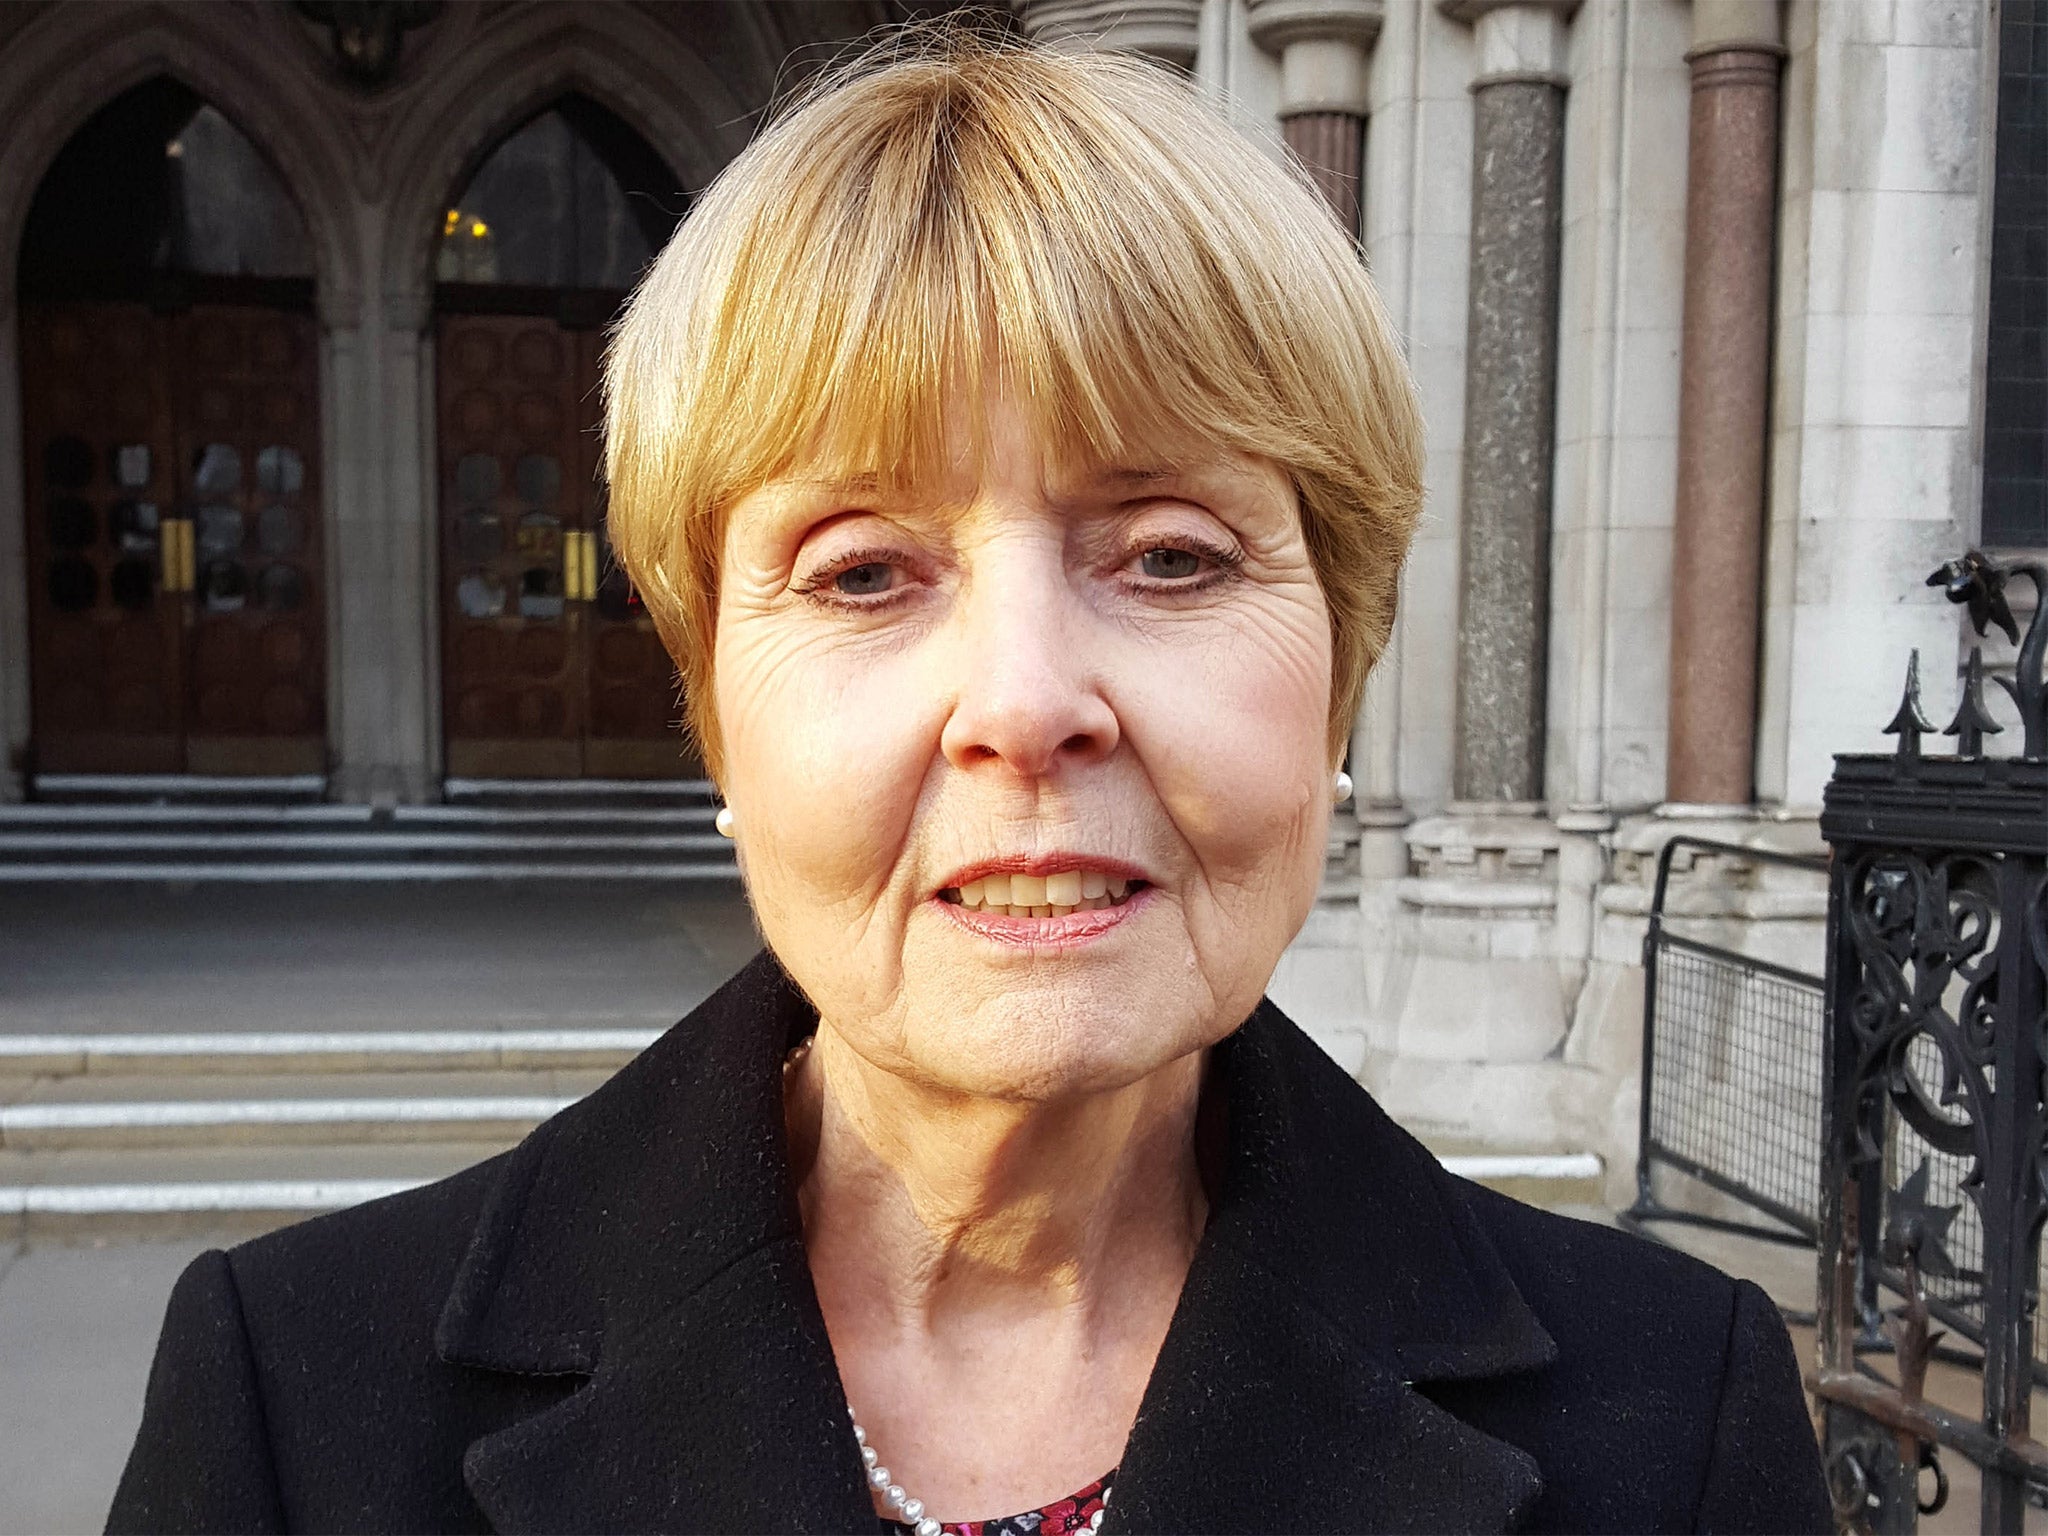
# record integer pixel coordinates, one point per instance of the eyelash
(819, 589)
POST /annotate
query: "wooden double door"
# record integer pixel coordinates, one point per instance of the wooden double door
(176, 602)
(550, 666)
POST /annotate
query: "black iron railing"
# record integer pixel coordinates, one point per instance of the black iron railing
(1936, 1035)
(1731, 1070)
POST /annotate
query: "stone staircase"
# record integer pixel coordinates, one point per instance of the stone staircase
(237, 1133)
(127, 1133)
(210, 830)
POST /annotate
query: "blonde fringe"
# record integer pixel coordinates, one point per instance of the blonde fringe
(953, 212)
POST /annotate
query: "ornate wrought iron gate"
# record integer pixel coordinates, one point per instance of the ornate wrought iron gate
(1938, 946)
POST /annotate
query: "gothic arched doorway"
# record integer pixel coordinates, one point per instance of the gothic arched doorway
(550, 668)
(172, 435)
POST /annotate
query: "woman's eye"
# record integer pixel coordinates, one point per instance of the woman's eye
(1170, 564)
(865, 580)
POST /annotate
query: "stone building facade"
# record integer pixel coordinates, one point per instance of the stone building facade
(1727, 329)
(1727, 315)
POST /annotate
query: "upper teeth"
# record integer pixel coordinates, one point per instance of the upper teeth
(1071, 890)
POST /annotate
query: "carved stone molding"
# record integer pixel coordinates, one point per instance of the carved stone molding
(1276, 23)
(1325, 52)
(1748, 26)
(1471, 11)
(1517, 40)
(1166, 30)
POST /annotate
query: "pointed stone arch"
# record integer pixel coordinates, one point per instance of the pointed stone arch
(644, 74)
(71, 62)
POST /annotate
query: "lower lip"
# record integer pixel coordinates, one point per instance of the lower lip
(1067, 932)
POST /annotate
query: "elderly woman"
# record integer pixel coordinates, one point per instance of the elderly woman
(1018, 465)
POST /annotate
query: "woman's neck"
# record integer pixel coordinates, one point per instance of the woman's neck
(934, 1207)
(996, 1278)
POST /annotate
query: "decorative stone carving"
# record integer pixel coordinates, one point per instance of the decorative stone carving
(1325, 51)
(1165, 30)
(366, 37)
(1275, 24)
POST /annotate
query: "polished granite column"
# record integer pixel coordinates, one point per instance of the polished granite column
(1510, 397)
(1723, 404)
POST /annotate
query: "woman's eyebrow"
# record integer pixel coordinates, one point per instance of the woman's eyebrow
(865, 483)
(1130, 477)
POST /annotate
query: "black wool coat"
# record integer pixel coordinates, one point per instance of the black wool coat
(612, 1328)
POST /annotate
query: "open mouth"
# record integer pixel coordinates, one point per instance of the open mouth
(1073, 890)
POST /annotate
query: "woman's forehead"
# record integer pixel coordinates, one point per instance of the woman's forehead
(1047, 481)
(1002, 445)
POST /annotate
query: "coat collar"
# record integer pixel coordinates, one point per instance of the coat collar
(648, 1239)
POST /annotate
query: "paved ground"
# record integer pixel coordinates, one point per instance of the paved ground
(150, 958)
(77, 1328)
(78, 1323)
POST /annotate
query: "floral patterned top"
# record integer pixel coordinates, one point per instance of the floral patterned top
(1063, 1517)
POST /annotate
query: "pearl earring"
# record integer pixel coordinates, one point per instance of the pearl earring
(1343, 786)
(723, 821)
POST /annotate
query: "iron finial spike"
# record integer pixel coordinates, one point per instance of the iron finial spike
(1911, 722)
(1981, 582)
(1973, 721)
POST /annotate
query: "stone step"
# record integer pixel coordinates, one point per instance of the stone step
(592, 792)
(200, 819)
(668, 837)
(177, 788)
(384, 1051)
(336, 1109)
(234, 1191)
(310, 790)
(1554, 1180)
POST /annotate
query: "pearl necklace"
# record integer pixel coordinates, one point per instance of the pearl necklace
(893, 1493)
(912, 1510)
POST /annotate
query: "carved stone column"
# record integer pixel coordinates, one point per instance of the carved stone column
(1724, 396)
(1488, 942)
(377, 374)
(1510, 395)
(14, 678)
(1165, 30)
(1325, 52)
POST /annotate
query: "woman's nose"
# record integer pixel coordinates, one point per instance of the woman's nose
(1029, 674)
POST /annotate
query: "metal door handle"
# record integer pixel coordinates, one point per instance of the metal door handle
(180, 565)
(579, 565)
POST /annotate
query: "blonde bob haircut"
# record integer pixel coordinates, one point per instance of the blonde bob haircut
(954, 213)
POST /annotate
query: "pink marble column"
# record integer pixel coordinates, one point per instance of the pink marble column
(1331, 147)
(1724, 398)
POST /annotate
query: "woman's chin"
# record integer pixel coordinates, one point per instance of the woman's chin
(1043, 1033)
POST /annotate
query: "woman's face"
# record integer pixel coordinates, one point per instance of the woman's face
(1068, 678)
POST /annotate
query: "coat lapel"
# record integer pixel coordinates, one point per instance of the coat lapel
(645, 1246)
(1264, 1416)
(725, 1414)
(1338, 1274)
(648, 1239)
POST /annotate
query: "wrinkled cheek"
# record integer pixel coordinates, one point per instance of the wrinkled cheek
(1237, 752)
(823, 790)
